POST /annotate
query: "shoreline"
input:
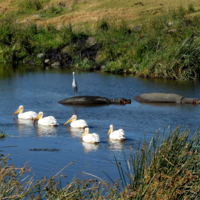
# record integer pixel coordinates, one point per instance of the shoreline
(166, 46)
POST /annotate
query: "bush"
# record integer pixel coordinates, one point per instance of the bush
(25, 5)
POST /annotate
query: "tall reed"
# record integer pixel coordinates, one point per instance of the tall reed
(168, 168)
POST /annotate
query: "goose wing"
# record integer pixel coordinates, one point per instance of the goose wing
(50, 121)
(117, 135)
(27, 115)
(92, 138)
(79, 124)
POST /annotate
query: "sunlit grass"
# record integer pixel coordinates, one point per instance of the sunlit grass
(82, 11)
(165, 46)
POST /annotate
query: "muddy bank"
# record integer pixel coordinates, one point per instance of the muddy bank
(81, 51)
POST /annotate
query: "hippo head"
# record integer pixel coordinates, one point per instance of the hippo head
(125, 101)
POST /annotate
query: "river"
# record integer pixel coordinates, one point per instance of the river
(40, 90)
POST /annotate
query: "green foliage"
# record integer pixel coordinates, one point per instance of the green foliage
(162, 49)
(191, 8)
(54, 9)
(27, 5)
(179, 13)
(117, 66)
(103, 25)
(83, 64)
(2, 134)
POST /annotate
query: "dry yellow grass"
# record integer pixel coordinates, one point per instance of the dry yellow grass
(90, 11)
(5, 6)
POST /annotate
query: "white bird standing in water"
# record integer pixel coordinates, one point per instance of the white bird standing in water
(116, 135)
(74, 84)
(90, 137)
(25, 115)
(76, 123)
(47, 121)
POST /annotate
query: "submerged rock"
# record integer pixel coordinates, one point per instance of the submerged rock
(40, 55)
(44, 149)
(91, 41)
(47, 60)
(55, 64)
(103, 67)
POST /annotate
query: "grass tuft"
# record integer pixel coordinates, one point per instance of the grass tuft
(2, 134)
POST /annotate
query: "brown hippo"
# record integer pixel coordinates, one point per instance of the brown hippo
(93, 100)
(165, 98)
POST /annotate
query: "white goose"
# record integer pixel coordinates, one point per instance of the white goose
(76, 123)
(90, 137)
(116, 135)
(74, 84)
(47, 121)
(25, 115)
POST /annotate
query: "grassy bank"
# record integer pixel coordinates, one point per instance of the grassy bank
(167, 168)
(163, 46)
(88, 12)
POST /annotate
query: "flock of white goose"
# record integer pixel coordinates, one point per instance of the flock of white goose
(51, 121)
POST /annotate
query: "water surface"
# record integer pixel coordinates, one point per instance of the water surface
(40, 90)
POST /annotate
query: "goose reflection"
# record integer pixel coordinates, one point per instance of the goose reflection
(47, 131)
(90, 146)
(24, 125)
(116, 145)
(75, 132)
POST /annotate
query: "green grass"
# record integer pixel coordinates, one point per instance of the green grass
(166, 47)
(27, 5)
(155, 51)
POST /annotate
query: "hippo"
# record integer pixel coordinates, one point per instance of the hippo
(165, 98)
(93, 100)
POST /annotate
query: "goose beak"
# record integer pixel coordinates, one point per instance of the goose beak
(17, 111)
(67, 122)
(38, 117)
(83, 134)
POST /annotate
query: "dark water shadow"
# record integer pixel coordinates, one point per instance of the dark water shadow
(163, 104)
(87, 105)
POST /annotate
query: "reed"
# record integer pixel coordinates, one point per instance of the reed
(166, 168)
(15, 184)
